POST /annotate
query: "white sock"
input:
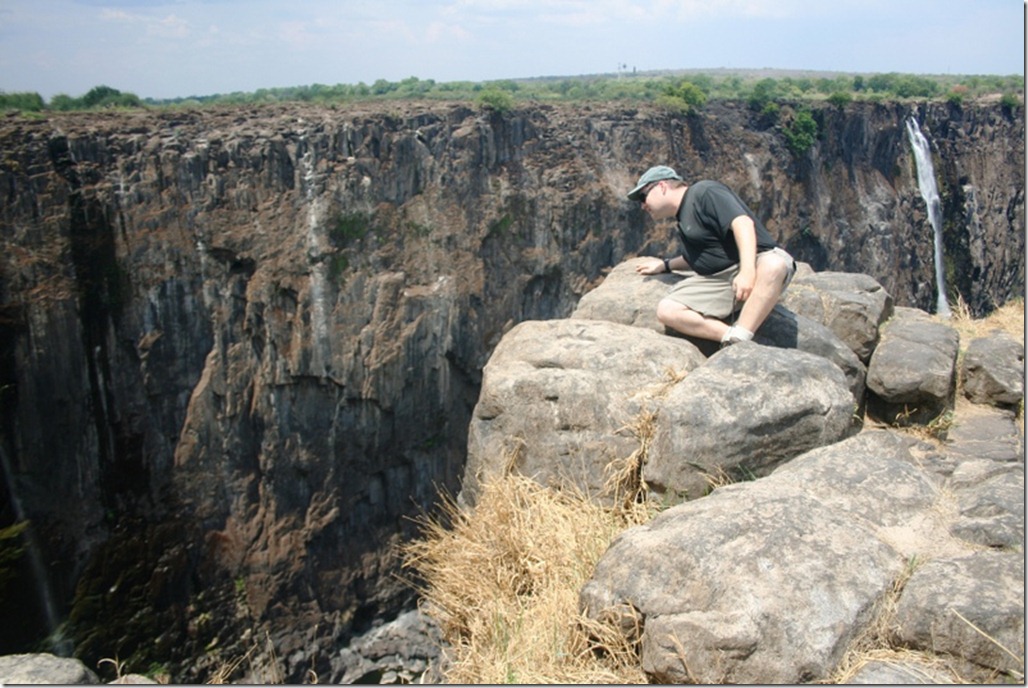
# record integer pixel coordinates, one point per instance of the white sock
(736, 332)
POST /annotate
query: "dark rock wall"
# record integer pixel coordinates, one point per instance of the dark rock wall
(241, 346)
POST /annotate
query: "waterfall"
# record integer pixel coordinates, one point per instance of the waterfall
(59, 645)
(930, 193)
(321, 349)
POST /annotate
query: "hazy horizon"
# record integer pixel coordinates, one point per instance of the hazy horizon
(166, 49)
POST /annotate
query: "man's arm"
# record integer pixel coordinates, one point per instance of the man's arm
(745, 234)
(655, 266)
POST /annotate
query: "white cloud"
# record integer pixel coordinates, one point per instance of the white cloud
(439, 31)
(168, 27)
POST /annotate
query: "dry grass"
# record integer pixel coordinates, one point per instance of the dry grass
(265, 671)
(503, 583)
(1009, 318)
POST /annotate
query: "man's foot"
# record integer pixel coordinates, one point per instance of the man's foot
(735, 334)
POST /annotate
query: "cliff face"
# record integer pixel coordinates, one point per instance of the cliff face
(240, 348)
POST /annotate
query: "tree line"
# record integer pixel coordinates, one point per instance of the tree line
(678, 91)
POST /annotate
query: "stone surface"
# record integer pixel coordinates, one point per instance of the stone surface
(911, 377)
(771, 580)
(852, 305)
(558, 396)
(970, 606)
(993, 370)
(405, 650)
(626, 297)
(900, 672)
(44, 668)
(733, 588)
(748, 410)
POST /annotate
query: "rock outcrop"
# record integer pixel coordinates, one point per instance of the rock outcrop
(772, 581)
(833, 536)
(912, 371)
(993, 370)
(240, 346)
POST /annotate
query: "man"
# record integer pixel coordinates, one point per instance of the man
(735, 259)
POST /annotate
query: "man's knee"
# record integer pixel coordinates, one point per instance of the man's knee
(775, 269)
(671, 313)
(666, 309)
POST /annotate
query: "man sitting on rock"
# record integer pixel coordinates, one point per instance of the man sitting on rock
(736, 261)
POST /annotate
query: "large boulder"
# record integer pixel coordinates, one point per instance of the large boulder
(557, 397)
(852, 305)
(767, 581)
(772, 580)
(990, 499)
(911, 377)
(629, 298)
(561, 399)
(993, 370)
(749, 409)
(788, 330)
(985, 432)
(910, 670)
(405, 650)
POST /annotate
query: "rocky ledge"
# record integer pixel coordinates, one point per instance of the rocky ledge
(803, 522)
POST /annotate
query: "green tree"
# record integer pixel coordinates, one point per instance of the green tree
(764, 91)
(105, 96)
(683, 97)
(382, 87)
(494, 99)
(882, 82)
(1009, 101)
(840, 98)
(30, 102)
(801, 132)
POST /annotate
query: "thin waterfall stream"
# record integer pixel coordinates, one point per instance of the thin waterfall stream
(930, 193)
(59, 645)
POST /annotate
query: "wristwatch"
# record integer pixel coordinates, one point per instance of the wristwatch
(667, 265)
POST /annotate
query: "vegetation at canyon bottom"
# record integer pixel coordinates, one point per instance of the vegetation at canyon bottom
(503, 579)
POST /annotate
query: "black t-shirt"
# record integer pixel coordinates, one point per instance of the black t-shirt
(705, 227)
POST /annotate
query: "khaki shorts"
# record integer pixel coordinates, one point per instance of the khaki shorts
(713, 295)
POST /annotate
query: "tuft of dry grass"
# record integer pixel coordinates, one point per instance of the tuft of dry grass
(1008, 318)
(503, 581)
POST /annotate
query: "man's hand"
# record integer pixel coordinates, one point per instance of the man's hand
(743, 284)
(652, 266)
(745, 234)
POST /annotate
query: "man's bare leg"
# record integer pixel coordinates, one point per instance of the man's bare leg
(687, 321)
(772, 270)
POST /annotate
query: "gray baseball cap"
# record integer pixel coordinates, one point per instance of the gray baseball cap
(654, 174)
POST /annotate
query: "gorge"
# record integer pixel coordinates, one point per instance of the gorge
(241, 346)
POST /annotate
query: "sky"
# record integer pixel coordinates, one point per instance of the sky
(180, 48)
